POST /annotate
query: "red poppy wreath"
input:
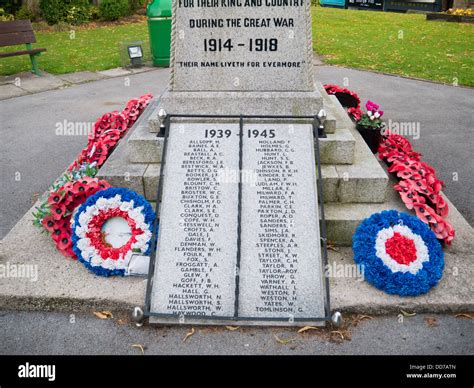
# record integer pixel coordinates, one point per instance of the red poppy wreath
(61, 205)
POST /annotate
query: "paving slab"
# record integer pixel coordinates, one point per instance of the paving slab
(34, 84)
(10, 91)
(15, 78)
(117, 72)
(81, 77)
(142, 69)
(45, 333)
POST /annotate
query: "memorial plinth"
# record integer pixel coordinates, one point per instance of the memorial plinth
(241, 57)
(239, 238)
(247, 277)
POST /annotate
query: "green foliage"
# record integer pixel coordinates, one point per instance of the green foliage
(78, 14)
(9, 6)
(24, 13)
(114, 9)
(95, 12)
(137, 4)
(368, 123)
(53, 11)
(5, 16)
(44, 209)
(70, 11)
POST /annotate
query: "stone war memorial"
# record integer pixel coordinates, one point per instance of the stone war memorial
(240, 153)
(238, 197)
(259, 177)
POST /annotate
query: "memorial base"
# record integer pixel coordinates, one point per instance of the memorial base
(237, 322)
(236, 103)
(355, 184)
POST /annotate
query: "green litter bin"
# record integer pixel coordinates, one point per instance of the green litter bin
(158, 13)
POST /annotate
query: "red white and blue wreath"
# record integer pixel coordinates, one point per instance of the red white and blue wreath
(398, 253)
(109, 228)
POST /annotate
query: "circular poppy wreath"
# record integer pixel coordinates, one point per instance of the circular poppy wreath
(104, 250)
(398, 253)
(62, 203)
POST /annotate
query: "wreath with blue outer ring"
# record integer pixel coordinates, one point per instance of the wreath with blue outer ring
(378, 273)
(93, 251)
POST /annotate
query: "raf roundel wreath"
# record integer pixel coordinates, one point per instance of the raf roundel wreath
(109, 227)
(398, 253)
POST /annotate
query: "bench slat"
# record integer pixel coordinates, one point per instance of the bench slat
(15, 26)
(20, 32)
(14, 38)
(23, 52)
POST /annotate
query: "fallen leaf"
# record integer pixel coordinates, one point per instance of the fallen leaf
(306, 328)
(463, 315)
(406, 314)
(141, 347)
(284, 341)
(339, 333)
(34, 197)
(359, 318)
(103, 314)
(232, 328)
(189, 334)
(431, 321)
(347, 335)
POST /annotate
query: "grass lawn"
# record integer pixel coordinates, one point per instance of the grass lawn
(404, 44)
(91, 49)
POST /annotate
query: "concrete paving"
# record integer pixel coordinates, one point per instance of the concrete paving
(59, 333)
(28, 83)
(81, 77)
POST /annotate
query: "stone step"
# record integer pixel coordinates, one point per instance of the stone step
(331, 123)
(365, 180)
(342, 219)
(144, 147)
(117, 169)
(135, 163)
(337, 187)
(338, 147)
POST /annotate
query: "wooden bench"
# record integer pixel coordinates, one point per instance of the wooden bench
(20, 32)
